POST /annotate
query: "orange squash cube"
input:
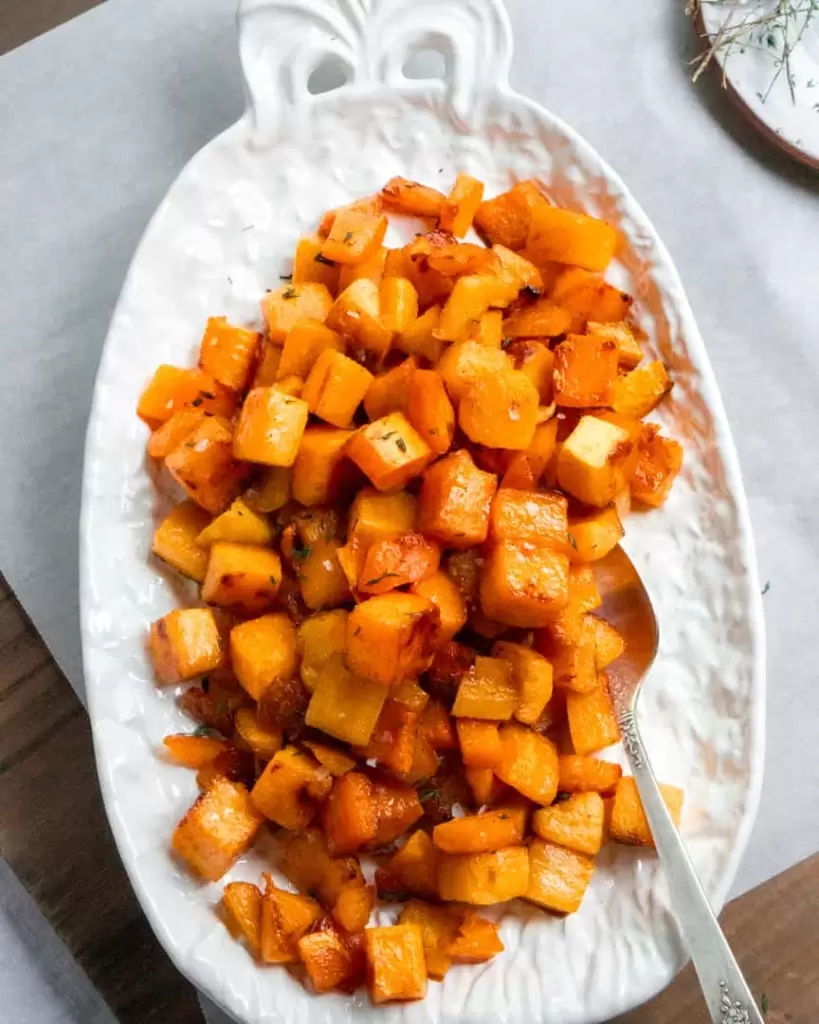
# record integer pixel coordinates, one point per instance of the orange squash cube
(589, 298)
(390, 391)
(175, 540)
(172, 388)
(585, 371)
(354, 236)
(659, 460)
(392, 744)
(356, 314)
(204, 465)
(375, 516)
(565, 236)
(322, 641)
(583, 597)
(469, 300)
(439, 929)
(430, 410)
(228, 353)
(174, 431)
(268, 365)
(525, 469)
(592, 722)
(413, 868)
(193, 751)
(537, 361)
(319, 475)
(398, 807)
(487, 691)
(484, 878)
(399, 303)
(521, 272)
(441, 590)
(577, 823)
(285, 917)
(541, 319)
(390, 452)
(372, 268)
(219, 827)
(270, 427)
(467, 362)
(454, 501)
(593, 535)
(487, 788)
(367, 204)
(389, 637)
(186, 643)
(582, 774)
(242, 905)
(500, 411)
(461, 205)
(398, 562)
(459, 259)
(609, 644)
(243, 576)
(574, 661)
(240, 524)
(353, 907)
(310, 266)
(263, 651)
(396, 968)
(350, 814)
(528, 763)
(335, 388)
(628, 822)
(411, 198)
(328, 961)
(629, 350)
(420, 338)
(481, 833)
(322, 580)
(532, 678)
(305, 342)
(281, 791)
(558, 877)
(596, 461)
(285, 306)
(489, 329)
(639, 392)
(263, 740)
(345, 705)
(476, 942)
(330, 757)
(479, 742)
(307, 863)
(504, 220)
(531, 517)
(522, 585)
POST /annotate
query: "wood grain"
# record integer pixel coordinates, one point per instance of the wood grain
(21, 20)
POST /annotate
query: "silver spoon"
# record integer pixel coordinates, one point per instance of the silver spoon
(627, 607)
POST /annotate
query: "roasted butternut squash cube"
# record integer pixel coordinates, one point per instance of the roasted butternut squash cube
(574, 661)
(596, 461)
(500, 411)
(476, 942)
(439, 929)
(413, 868)
(629, 350)
(609, 644)
(541, 319)
(481, 833)
(322, 580)
(228, 353)
(469, 300)
(353, 907)
(240, 524)
(268, 365)
(454, 501)
(412, 198)
(489, 329)
(525, 469)
(174, 431)
(436, 726)
(459, 259)
(186, 643)
(532, 517)
(659, 460)
(345, 705)
(350, 814)
(321, 472)
(367, 204)
(398, 807)
(389, 392)
(582, 774)
(583, 597)
(441, 590)
(263, 651)
(536, 361)
(322, 641)
(175, 540)
(305, 342)
(336, 387)
(628, 822)
(585, 371)
(204, 465)
(577, 823)
(372, 268)
(286, 917)
(390, 452)
(270, 427)
(356, 315)
(220, 826)
(354, 236)
(461, 205)
(242, 905)
(523, 585)
(392, 744)
(330, 757)
(193, 751)
(588, 297)
(242, 576)
(285, 306)
(531, 676)
(558, 877)
(396, 968)
(467, 362)
(479, 742)
(307, 863)
(522, 273)
(487, 691)
(273, 490)
(592, 722)
(420, 338)
(487, 788)
(430, 410)
(263, 739)
(309, 265)
(639, 392)
(399, 303)
(593, 535)
(569, 237)
(398, 562)
(328, 960)
(281, 791)
(172, 388)
(504, 220)
(528, 763)
(389, 637)
(484, 878)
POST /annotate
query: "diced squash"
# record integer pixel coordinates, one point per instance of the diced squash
(522, 272)
(479, 742)
(532, 677)
(286, 305)
(609, 644)
(574, 660)
(175, 540)
(525, 469)
(532, 517)
(270, 427)
(356, 314)
(659, 460)
(481, 833)
(268, 365)
(466, 362)
(413, 868)
(577, 823)
(628, 823)
(484, 878)
(411, 198)
(390, 451)
(204, 465)
(309, 265)
(390, 391)
(441, 590)
(437, 728)
(486, 787)
(639, 392)
(585, 371)
(629, 350)
(228, 353)
(470, 299)
(242, 905)
(588, 297)
(536, 361)
(174, 431)
(334, 760)
(372, 268)
(522, 585)
(461, 205)
(476, 942)
(454, 502)
(528, 763)
(465, 569)
(558, 877)
(242, 576)
(264, 740)
(389, 637)
(354, 236)
(329, 960)
(398, 807)
(292, 386)
(396, 969)
(321, 471)
(345, 705)
(353, 907)
(504, 220)
(263, 651)
(220, 826)
(335, 387)
(193, 751)
(273, 490)
(487, 691)
(392, 744)
(541, 319)
(489, 329)
(322, 580)
(595, 534)
(430, 410)
(581, 774)
(583, 597)
(568, 237)
(425, 762)
(420, 338)
(186, 643)
(238, 525)
(398, 562)
(172, 388)
(500, 411)
(350, 814)
(305, 342)
(592, 722)
(286, 917)
(281, 791)
(322, 641)
(399, 303)
(457, 259)
(367, 204)
(596, 461)
(375, 516)
(439, 930)
(307, 863)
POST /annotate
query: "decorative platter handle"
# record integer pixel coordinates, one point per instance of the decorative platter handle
(282, 42)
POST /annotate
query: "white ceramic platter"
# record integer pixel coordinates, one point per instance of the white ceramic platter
(218, 240)
(781, 97)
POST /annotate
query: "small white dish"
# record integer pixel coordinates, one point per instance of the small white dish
(221, 237)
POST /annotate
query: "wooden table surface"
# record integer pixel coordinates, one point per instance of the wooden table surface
(55, 836)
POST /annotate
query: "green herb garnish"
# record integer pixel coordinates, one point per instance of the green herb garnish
(289, 293)
(206, 730)
(320, 258)
(378, 579)
(401, 444)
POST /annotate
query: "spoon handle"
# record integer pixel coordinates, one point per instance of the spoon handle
(726, 991)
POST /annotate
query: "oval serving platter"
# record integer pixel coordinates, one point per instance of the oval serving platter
(217, 241)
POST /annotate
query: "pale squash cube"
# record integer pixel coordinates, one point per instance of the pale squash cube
(596, 461)
(219, 827)
(270, 427)
(186, 643)
(263, 651)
